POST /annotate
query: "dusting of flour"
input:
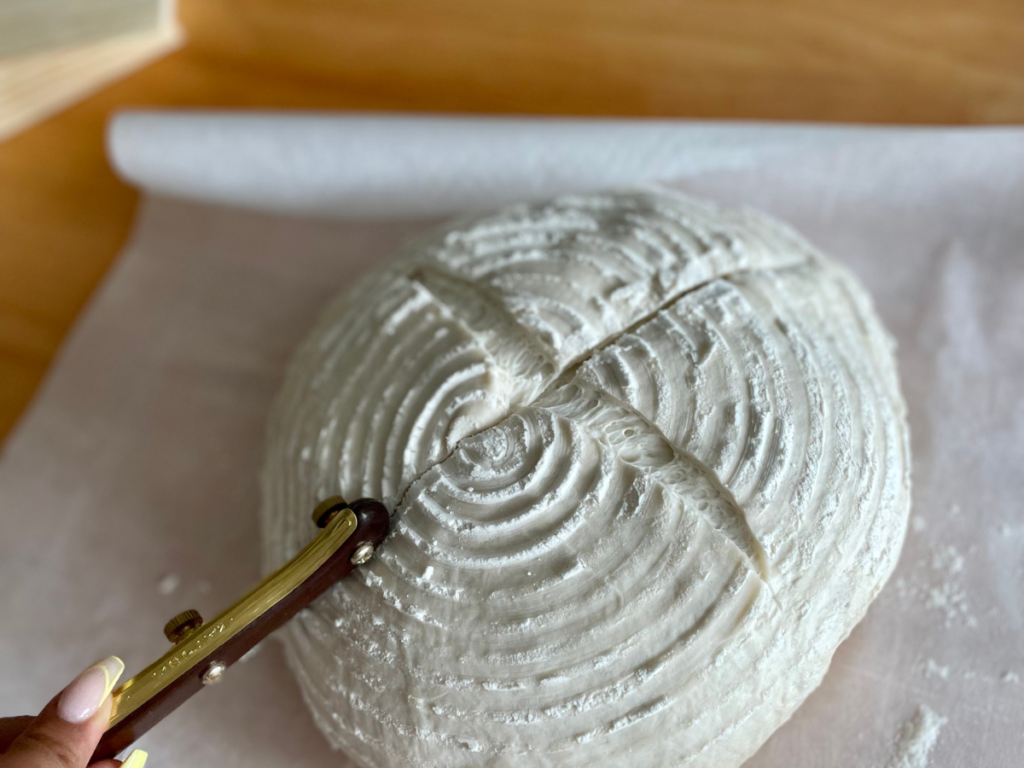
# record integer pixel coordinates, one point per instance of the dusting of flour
(944, 593)
(917, 738)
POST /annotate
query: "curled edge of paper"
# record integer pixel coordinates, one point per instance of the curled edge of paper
(365, 165)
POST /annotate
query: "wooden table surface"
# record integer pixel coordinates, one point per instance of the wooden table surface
(64, 216)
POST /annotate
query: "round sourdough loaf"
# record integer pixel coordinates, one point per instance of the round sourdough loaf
(648, 465)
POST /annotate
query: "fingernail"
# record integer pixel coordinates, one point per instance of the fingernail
(136, 759)
(83, 697)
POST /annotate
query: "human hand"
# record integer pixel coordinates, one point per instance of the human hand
(66, 732)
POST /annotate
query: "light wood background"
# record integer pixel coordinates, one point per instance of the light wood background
(63, 216)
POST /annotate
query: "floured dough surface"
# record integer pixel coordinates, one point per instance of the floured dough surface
(648, 464)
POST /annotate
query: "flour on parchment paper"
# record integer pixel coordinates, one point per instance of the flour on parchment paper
(944, 592)
(934, 669)
(169, 584)
(917, 738)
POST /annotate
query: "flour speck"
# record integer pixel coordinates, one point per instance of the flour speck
(169, 584)
(945, 592)
(917, 738)
(934, 669)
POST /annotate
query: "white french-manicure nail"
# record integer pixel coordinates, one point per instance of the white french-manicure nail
(89, 690)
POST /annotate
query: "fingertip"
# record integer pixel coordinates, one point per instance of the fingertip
(87, 692)
(50, 741)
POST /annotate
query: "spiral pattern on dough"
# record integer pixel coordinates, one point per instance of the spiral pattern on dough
(649, 466)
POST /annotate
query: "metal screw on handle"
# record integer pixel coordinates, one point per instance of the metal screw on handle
(363, 553)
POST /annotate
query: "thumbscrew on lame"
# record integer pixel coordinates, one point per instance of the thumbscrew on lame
(182, 625)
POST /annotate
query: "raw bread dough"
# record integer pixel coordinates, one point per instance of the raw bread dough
(649, 465)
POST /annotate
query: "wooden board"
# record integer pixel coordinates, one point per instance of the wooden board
(63, 215)
(37, 85)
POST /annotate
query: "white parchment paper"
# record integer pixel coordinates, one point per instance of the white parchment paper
(129, 491)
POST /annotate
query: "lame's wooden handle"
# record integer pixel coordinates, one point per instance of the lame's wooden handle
(202, 655)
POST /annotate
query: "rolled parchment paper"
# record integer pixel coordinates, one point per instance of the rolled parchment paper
(359, 165)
